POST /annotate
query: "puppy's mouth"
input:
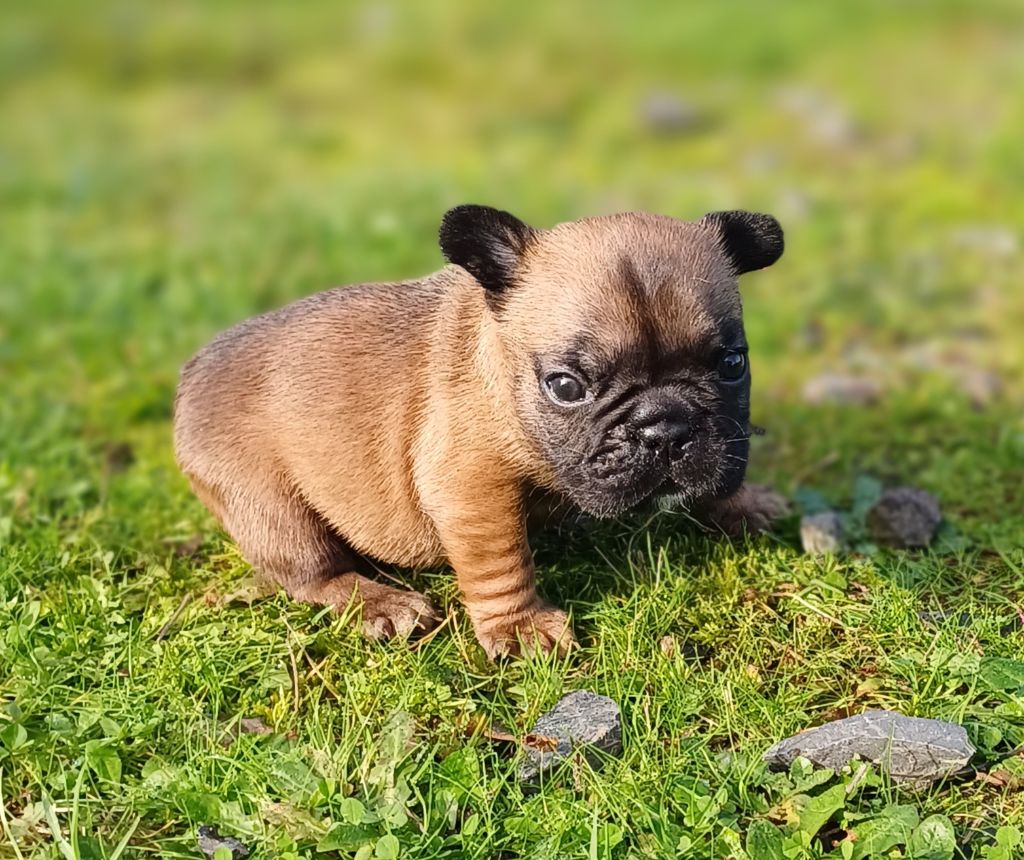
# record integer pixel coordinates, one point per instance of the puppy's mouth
(666, 488)
(623, 473)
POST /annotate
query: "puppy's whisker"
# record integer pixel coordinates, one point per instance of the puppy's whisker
(743, 429)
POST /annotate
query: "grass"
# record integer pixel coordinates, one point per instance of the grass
(170, 170)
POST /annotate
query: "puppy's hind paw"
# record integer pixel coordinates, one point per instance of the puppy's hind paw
(398, 614)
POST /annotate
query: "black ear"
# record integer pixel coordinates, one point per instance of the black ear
(750, 240)
(486, 242)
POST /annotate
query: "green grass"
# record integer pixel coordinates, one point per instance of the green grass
(167, 171)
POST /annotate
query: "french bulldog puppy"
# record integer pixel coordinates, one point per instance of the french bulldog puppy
(600, 363)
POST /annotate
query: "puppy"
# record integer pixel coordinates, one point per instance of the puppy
(600, 363)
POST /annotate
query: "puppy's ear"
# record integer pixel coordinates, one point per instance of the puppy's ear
(486, 242)
(750, 240)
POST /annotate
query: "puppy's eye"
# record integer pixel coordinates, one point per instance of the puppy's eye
(732, 366)
(565, 388)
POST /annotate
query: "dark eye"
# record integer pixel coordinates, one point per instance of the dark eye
(732, 366)
(565, 388)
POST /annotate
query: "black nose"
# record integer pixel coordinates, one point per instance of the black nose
(666, 429)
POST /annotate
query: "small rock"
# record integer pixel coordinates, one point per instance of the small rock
(822, 533)
(1014, 625)
(187, 546)
(904, 517)
(981, 386)
(299, 824)
(695, 652)
(668, 646)
(245, 726)
(210, 840)
(826, 121)
(930, 356)
(762, 161)
(691, 652)
(913, 750)
(580, 719)
(254, 726)
(246, 592)
(117, 456)
(667, 114)
(842, 388)
(812, 335)
(793, 204)
(900, 148)
(939, 618)
(993, 239)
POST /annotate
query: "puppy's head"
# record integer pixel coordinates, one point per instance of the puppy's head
(623, 336)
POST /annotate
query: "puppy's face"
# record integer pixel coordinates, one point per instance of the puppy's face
(623, 338)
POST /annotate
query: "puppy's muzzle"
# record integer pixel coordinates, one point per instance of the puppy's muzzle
(664, 428)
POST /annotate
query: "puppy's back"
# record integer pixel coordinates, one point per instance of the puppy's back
(323, 394)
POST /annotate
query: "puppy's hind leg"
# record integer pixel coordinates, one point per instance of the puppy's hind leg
(289, 543)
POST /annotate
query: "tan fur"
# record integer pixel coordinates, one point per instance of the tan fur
(384, 420)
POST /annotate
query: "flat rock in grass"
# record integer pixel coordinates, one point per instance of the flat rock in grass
(667, 114)
(822, 533)
(993, 239)
(210, 841)
(904, 517)
(581, 720)
(913, 750)
(981, 386)
(117, 456)
(940, 617)
(245, 726)
(826, 121)
(842, 388)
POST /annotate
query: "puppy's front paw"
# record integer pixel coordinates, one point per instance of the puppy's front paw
(393, 612)
(540, 629)
(751, 510)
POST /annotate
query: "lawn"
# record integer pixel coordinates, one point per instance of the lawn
(169, 169)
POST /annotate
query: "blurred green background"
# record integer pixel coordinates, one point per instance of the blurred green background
(167, 169)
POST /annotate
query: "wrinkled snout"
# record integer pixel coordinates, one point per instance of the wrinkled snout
(665, 426)
(665, 423)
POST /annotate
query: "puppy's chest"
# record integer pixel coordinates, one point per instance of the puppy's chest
(547, 509)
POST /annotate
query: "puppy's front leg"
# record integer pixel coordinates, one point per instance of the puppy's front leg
(751, 509)
(486, 543)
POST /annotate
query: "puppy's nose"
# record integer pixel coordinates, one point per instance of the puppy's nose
(666, 429)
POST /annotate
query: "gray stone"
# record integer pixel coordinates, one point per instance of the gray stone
(210, 840)
(691, 652)
(939, 618)
(581, 720)
(826, 121)
(822, 533)
(842, 388)
(793, 204)
(904, 517)
(993, 239)
(980, 385)
(667, 114)
(913, 750)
